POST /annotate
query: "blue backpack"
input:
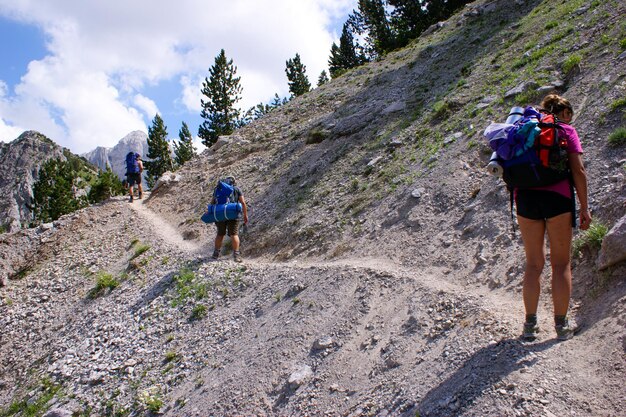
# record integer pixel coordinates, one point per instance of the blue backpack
(132, 166)
(225, 192)
(530, 151)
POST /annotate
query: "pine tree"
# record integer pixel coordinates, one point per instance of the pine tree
(410, 18)
(372, 18)
(277, 101)
(159, 153)
(348, 54)
(107, 185)
(323, 78)
(222, 91)
(256, 112)
(184, 149)
(296, 74)
(54, 191)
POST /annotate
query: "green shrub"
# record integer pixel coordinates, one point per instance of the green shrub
(440, 109)
(622, 43)
(619, 103)
(571, 62)
(590, 238)
(151, 400)
(139, 249)
(104, 281)
(36, 404)
(551, 24)
(171, 356)
(618, 137)
(199, 311)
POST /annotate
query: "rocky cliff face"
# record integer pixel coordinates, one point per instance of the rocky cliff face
(101, 157)
(20, 161)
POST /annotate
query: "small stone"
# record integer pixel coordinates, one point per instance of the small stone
(418, 192)
(374, 161)
(96, 378)
(322, 343)
(58, 412)
(300, 376)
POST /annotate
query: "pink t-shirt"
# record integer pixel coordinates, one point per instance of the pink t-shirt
(573, 146)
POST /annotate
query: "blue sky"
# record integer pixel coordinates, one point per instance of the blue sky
(86, 73)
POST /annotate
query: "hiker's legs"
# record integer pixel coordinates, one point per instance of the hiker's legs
(218, 241)
(235, 240)
(560, 236)
(221, 232)
(233, 232)
(533, 232)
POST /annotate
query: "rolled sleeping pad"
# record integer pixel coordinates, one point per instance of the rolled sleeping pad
(221, 212)
(515, 114)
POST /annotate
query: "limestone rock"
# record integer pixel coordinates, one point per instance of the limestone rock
(300, 376)
(613, 250)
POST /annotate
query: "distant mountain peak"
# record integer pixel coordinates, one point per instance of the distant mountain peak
(135, 141)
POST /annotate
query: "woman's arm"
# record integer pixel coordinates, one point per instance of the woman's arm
(580, 183)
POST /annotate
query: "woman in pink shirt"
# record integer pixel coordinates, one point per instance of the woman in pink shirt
(551, 209)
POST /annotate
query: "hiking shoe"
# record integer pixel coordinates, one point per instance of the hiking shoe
(140, 196)
(237, 257)
(530, 331)
(216, 254)
(130, 200)
(566, 331)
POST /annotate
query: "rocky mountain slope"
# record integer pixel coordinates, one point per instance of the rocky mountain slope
(381, 276)
(20, 161)
(136, 141)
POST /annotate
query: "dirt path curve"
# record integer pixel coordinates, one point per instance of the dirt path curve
(500, 303)
(164, 230)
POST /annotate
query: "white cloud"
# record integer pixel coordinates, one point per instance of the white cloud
(89, 90)
(148, 106)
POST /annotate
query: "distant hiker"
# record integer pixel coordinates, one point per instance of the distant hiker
(551, 208)
(234, 195)
(134, 168)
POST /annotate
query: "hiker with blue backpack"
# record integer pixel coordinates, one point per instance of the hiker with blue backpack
(541, 159)
(227, 204)
(134, 168)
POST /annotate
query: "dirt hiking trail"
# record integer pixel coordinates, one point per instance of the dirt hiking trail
(163, 229)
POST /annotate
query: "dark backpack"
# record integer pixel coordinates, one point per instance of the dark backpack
(532, 152)
(132, 166)
(225, 192)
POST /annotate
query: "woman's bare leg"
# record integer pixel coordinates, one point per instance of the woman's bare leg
(560, 236)
(533, 232)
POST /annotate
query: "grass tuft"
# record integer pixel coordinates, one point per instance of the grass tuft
(590, 238)
(618, 137)
(104, 281)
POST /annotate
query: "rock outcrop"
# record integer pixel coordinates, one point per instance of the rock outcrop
(20, 161)
(136, 141)
(613, 249)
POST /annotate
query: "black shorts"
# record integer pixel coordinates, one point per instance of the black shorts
(541, 204)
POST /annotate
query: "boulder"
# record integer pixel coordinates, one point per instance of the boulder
(613, 250)
(168, 179)
(521, 88)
